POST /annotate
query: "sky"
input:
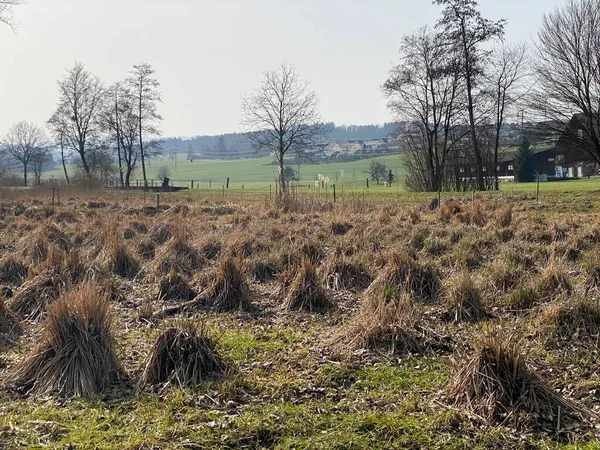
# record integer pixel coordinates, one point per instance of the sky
(209, 53)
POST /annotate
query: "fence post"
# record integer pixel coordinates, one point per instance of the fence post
(157, 201)
(192, 184)
(53, 192)
(228, 183)
(333, 193)
(367, 183)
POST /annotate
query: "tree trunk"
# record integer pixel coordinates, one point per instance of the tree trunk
(141, 139)
(471, 109)
(62, 156)
(118, 142)
(282, 186)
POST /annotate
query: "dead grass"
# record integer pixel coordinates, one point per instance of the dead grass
(75, 354)
(403, 272)
(344, 274)
(33, 297)
(465, 302)
(228, 289)
(499, 385)
(305, 292)
(553, 282)
(10, 325)
(174, 287)
(504, 217)
(390, 322)
(183, 356)
(12, 271)
(570, 319)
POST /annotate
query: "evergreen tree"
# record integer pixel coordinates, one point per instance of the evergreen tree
(524, 169)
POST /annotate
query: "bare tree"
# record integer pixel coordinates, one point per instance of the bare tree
(6, 11)
(282, 115)
(509, 70)
(23, 142)
(423, 89)
(41, 160)
(464, 28)
(567, 70)
(78, 115)
(122, 124)
(145, 88)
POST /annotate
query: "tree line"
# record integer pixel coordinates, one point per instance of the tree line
(103, 131)
(458, 82)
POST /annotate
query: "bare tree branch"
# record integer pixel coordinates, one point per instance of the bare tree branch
(6, 11)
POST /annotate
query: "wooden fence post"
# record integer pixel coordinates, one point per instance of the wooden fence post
(333, 193)
(157, 201)
(228, 183)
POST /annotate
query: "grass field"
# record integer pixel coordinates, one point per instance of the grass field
(404, 298)
(259, 173)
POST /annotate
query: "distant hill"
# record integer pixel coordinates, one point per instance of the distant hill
(236, 146)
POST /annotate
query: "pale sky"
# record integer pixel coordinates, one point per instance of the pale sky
(208, 53)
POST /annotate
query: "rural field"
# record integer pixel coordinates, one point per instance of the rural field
(259, 173)
(377, 322)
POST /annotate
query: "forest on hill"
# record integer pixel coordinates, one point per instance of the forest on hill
(236, 145)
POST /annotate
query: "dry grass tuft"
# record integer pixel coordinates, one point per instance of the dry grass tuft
(344, 274)
(504, 217)
(10, 325)
(553, 282)
(465, 303)
(305, 293)
(33, 297)
(228, 290)
(591, 267)
(120, 261)
(178, 253)
(403, 272)
(12, 271)
(473, 215)
(183, 356)
(498, 384)
(174, 287)
(389, 321)
(75, 355)
(340, 228)
(570, 319)
(449, 209)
